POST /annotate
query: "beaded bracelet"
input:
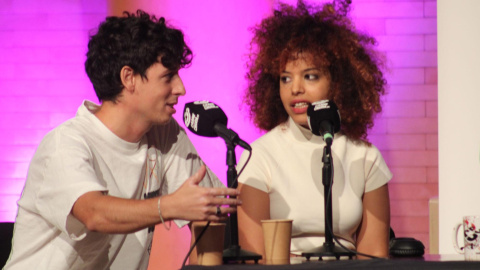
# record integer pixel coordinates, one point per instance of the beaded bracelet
(160, 214)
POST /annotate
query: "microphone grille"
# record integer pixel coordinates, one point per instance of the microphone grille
(200, 117)
(320, 111)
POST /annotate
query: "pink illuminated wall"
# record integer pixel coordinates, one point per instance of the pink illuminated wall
(42, 82)
(407, 131)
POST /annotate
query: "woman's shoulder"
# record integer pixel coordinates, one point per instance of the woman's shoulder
(355, 146)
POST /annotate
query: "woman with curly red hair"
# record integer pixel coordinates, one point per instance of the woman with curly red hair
(301, 55)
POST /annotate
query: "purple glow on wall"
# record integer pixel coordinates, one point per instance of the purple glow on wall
(42, 80)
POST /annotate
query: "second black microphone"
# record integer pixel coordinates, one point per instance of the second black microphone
(206, 119)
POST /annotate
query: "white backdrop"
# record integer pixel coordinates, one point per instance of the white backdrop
(459, 114)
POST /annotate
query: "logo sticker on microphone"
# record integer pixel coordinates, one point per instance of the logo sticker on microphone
(207, 105)
(320, 105)
(186, 117)
(191, 119)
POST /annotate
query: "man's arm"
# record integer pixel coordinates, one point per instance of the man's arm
(110, 214)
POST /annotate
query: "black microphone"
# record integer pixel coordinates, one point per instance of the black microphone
(324, 119)
(206, 119)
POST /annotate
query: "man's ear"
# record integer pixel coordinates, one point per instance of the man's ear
(127, 75)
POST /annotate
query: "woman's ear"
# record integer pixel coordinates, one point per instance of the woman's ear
(127, 76)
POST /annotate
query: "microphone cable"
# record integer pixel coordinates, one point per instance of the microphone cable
(208, 223)
(243, 167)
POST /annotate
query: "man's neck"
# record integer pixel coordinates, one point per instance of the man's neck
(121, 121)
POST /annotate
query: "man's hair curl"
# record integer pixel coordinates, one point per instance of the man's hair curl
(137, 40)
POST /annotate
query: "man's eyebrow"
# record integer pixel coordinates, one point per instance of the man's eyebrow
(168, 72)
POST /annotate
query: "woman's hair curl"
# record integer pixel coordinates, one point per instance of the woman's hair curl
(328, 35)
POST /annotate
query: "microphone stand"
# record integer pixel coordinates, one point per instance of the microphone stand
(234, 252)
(329, 249)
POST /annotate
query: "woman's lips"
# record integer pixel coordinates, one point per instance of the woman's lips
(299, 107)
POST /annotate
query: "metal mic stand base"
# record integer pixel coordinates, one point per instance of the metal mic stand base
(235, 254)
(328, 251)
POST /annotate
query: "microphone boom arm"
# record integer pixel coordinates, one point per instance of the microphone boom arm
(230, 136)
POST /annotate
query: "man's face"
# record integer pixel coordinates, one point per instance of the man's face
(158, 93)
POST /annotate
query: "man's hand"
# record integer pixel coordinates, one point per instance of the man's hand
(192, 202)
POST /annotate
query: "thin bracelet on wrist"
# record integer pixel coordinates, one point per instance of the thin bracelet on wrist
(160, 215)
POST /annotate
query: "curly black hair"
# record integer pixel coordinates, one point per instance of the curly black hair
(135, 40)
(337, 48)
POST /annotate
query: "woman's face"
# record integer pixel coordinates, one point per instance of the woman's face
(302, 83)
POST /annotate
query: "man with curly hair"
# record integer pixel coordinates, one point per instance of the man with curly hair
(99, 183)
(301, 55)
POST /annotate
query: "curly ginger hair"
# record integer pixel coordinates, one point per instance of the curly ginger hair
(328, 35)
